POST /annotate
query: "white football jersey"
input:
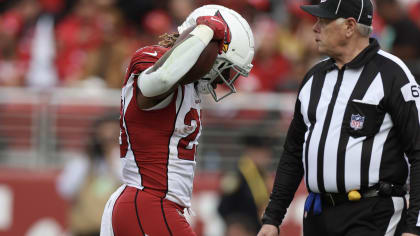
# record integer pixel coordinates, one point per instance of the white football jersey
(158, 145)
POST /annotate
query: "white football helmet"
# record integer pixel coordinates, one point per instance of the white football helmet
(236, 56)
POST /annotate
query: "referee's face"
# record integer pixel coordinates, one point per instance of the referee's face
(329, 36)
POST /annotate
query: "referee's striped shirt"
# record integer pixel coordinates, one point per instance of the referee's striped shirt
(352, 128)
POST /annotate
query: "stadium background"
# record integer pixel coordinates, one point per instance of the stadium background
(61, 67)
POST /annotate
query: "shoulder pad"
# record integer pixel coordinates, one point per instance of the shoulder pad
(145, 57)
(151, 53)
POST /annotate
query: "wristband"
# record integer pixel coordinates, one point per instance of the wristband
(204, 33)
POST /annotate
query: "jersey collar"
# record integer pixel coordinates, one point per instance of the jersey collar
(360, 60)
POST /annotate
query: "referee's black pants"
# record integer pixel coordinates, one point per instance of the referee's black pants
(375, 216)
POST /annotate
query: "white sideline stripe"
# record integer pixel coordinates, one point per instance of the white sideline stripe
(398, 208)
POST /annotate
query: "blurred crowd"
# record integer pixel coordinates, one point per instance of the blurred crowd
(66, 43)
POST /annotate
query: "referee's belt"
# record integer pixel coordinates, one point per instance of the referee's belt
(382, 189)
(316, 201)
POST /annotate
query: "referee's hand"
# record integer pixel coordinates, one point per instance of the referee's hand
(408, 234)
(269, 230)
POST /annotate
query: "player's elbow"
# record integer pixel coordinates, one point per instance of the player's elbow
(154, 84)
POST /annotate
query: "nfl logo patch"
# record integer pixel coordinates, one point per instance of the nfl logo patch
(356, 121)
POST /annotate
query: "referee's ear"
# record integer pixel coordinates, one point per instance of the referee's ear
(350, 26)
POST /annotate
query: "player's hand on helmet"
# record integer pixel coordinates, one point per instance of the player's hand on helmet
(220, 29)
(216, 23)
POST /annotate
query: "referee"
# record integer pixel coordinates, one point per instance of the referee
(354, 137)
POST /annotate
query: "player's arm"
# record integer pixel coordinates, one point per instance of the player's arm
(160, 80)
(403, 104)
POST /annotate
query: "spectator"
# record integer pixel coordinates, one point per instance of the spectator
(414, 13)
(94, 42)
(404, 34)
(16, 33)
(180, 9)
(270, 66)
(109, 59)
(245, 191)
(77, 35)
(87, 182)
(239, 225)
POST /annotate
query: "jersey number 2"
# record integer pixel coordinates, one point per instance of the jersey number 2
(186, 145)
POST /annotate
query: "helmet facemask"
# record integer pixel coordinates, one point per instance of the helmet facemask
(227, 73)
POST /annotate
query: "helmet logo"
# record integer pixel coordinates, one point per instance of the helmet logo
(225, 47)
(228, 35)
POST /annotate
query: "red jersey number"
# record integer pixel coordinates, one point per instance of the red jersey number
(186, 145)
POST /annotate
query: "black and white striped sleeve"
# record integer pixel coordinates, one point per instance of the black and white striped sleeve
(403, 104)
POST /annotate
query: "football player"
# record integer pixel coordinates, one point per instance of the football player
(161, 119)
